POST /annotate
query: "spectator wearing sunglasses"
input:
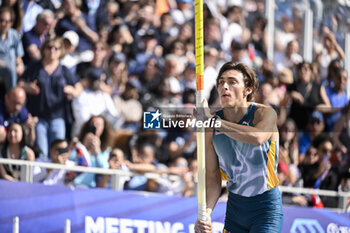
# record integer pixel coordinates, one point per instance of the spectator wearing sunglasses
(326, 175)
(50, 86)
(59, 154)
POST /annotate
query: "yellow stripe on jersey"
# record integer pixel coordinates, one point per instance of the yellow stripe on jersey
(223, 175)
(272, 179)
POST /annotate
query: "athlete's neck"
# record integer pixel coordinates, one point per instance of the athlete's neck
(236, 113)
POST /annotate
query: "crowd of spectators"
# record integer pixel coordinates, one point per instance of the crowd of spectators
(77, 75)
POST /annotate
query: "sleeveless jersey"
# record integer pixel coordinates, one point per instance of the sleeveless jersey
(250, 170)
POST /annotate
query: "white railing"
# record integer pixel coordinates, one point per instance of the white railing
(27, 176)
(27, 171)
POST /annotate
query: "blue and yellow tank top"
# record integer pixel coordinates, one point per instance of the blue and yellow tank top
(249, 170)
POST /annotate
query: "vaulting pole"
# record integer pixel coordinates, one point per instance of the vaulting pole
(199, 97)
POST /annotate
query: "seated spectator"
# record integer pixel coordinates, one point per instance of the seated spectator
(289, 147)
(12, 109)
(315, 127)
(11, 49)
(15, 148)
(178, 167)
(92, 101)
(128, 106)
(50, 86)
(33, 39)
(283, 173)
(59, 154)
(324, 174)
(116, 161)
(143, 161)
(337, 97)
(92, 149)
(309, 165)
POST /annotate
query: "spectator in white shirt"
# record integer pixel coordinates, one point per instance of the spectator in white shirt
(92, 101)
(59, 154)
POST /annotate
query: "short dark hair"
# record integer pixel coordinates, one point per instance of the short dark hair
(56, 142)
(320, 139)
(249, 77)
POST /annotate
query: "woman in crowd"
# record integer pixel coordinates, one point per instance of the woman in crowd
(289, 152)
(15, 148)
(17, 9)
(49, 87)
(306, 95)
(92, 149)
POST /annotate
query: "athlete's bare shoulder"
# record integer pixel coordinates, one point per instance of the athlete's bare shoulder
(263, 112)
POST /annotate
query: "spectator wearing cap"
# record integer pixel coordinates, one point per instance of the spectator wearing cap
(145, 47)
(92, 101)
(33, 39)
(49, 87)
(71, 58)
(75, 20)
(118, 74)
(315, 127)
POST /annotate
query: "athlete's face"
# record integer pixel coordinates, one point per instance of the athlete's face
(231, 88)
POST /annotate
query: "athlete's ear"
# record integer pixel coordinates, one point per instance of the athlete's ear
(247, 91)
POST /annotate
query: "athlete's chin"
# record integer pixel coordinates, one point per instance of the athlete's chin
(226, 103)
